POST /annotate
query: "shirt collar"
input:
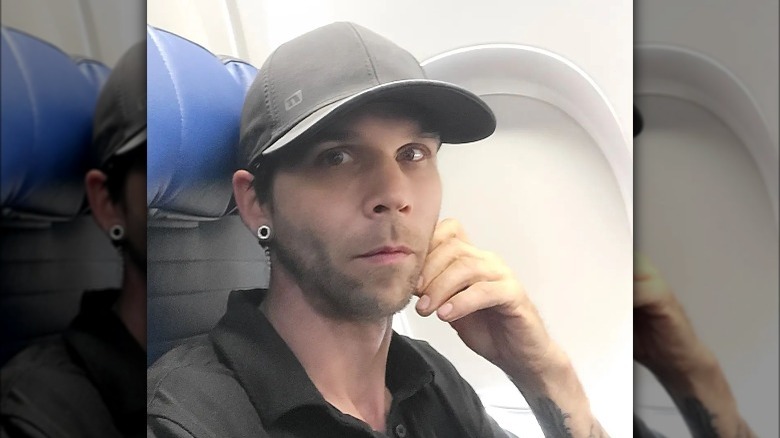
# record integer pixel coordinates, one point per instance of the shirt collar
(113, 360)
(407, 371)
(272, 376)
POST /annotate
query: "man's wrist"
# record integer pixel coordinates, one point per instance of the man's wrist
(557, 398)
(544, 375)
(696, 369)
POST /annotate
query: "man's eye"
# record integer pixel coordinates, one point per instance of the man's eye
(413, 153)
(335, 157)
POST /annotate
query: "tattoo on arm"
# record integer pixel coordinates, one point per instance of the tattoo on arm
(701, 421)
(552, 419)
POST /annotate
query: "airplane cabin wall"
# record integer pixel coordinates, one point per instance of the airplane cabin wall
(705, 215)
(96, 29)
(707, 226)
(742, 36)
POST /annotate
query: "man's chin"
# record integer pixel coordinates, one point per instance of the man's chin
(401, 305)
(395, 300)
(369, 305)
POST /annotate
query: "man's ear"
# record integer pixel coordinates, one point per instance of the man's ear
(105, 212)
(252, 213)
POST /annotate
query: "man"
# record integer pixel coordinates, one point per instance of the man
(340, 132)
(89, 381)
(667, 345)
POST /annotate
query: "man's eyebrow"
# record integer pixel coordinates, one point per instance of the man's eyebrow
(347, 135)
(430, 134)
(334, 135)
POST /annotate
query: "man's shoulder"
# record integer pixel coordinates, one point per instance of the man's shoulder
(38, 387)
(48, 354)
(195, 360)
(189, 389)
(196, 352)
(41, 368)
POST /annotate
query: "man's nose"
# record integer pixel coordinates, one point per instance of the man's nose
(389, 189)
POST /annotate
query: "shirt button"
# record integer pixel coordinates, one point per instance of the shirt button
(400, 430)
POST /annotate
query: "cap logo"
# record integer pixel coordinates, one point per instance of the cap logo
(293, 100)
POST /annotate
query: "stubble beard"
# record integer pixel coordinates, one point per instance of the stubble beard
(336, 294)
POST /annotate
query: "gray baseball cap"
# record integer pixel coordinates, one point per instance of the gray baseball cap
(313, 79)
(119, 122)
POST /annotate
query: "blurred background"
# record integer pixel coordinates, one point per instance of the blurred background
(96, 29)
(56, 56)
(551, 191)
(706, 181)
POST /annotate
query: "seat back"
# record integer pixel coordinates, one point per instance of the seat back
(198, 250)
(51, 251)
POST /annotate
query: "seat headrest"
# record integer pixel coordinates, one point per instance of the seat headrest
(95, 71)
(47, 106)
(194, 111)
(243, 72)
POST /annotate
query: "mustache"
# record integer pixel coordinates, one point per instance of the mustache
(397, 233)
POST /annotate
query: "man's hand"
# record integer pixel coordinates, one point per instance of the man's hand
(664, 339)
(477, 294)
(665, 343)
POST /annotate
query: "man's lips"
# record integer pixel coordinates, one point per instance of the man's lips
(387, 250)
(386, 254)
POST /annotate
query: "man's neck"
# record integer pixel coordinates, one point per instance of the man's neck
(131, 306)
(346, 361)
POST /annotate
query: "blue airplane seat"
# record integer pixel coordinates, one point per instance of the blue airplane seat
(51, 251)
(243, 72)
(95, 71)
(198, 252)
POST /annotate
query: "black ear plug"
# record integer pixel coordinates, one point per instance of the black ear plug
(639, 123)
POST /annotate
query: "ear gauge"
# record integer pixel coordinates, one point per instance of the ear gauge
(264, 237)
(264, 234)
(116, 233)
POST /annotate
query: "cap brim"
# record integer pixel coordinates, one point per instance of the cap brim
(459, 115)
(136, 140)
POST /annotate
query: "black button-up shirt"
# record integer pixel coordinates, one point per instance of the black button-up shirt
(243, 381)
(89, 382)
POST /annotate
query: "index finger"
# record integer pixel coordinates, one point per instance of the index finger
(649, 287)
(447, 229)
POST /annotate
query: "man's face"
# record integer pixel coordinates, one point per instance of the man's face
(353, 218)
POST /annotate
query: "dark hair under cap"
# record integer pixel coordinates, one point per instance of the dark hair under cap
(119, 123)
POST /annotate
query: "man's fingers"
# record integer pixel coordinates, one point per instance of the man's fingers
(643, 269)
(478, 296)
(446, 230)
(444, 255)
(459, 274)
(649, 287)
